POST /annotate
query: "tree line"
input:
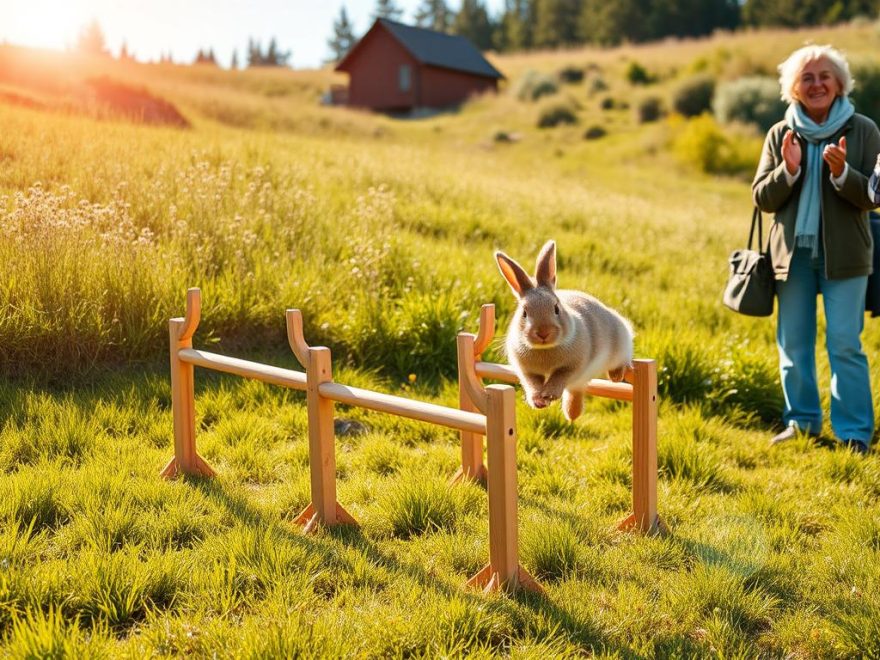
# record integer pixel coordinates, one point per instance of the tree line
(91, 41)
(540, 24)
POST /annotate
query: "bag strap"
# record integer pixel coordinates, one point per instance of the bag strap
(757, 218)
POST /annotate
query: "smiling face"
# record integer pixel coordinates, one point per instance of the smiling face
(817, 88)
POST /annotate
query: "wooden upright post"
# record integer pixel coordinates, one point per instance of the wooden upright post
(472, 467)
(644, 517)
(186, 458)
(324, 508)
(503, 571)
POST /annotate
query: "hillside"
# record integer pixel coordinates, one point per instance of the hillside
(382, 231)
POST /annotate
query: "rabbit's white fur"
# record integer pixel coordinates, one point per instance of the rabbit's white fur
(560, 339)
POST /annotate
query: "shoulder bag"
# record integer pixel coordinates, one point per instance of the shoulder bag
(751, 285)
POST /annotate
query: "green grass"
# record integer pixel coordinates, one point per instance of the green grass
(382, 232)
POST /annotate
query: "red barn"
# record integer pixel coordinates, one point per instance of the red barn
(396, 67)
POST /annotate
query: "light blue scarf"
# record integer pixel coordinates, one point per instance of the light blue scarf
(816, 135)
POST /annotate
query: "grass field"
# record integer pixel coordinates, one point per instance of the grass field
(382, 232)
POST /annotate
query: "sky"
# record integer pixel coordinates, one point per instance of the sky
(181, 27)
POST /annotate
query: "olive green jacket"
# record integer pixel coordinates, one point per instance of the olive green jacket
(846, 235)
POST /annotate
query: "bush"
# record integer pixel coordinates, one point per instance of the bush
(703, 144)
(649, 109)
(866, 94)
(533, 85)
(753, 100)
(693, 96)
(638, 75)
(607, 103)
(571, 75)
(595, 132)
(596, 84)
(556, 113)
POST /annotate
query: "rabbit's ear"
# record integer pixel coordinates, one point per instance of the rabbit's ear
(545, 267)
(516, 277)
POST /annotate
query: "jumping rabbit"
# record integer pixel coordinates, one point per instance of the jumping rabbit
(560, 339)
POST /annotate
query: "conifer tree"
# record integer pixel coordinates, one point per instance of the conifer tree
(387, 9)
(91, 40)
(343, 36)
(472, 21)
(435, 15)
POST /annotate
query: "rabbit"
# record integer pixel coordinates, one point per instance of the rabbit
(560, 339)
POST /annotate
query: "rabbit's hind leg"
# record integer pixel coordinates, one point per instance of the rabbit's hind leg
(572, 404)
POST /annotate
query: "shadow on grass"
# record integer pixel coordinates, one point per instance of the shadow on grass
(576, 629)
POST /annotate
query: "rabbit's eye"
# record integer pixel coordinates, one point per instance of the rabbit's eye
(556, 309)
(524, 314)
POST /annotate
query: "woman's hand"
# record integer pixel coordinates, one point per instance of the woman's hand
(835, 156)
(791, 153)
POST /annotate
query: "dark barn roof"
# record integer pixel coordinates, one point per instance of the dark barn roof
(436, 49)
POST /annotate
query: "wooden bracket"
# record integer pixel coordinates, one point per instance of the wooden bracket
(296, 338)
(486, 331)
(309, 520)
(489, 581)
(630, 524)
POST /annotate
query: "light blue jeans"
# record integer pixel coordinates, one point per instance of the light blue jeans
(852, 411)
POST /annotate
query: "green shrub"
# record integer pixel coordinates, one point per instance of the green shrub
(866, 94)
(571, 75)
(693, 96)
(596, 84)
(703, 144)
(649, 109)
(636, 74)
(595, 132)
(607, 103)
(753, 100)
(533, 85)
(556, 113)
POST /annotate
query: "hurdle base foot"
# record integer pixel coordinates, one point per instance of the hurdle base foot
(200, 469)
(630, 524)
(309, 519)
(489, 581)
(461, 476)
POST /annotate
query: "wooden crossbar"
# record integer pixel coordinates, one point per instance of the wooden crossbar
(596, 387)
(268, 374)
(403, 407)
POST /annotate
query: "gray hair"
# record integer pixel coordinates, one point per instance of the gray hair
(790, 70)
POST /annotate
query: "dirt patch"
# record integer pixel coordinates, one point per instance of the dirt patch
(135, 104)
(18, 99)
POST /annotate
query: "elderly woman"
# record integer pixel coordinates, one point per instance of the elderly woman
(813, 176)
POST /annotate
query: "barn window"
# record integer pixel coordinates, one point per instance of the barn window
(405, 77)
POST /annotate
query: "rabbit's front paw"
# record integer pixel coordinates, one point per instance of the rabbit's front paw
(617, 374)
(551, 393)
(537, 400)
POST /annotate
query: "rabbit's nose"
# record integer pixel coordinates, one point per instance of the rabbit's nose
(543, 333)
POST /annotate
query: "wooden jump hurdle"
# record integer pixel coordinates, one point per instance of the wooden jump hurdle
(485, 411)
(640, 388)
